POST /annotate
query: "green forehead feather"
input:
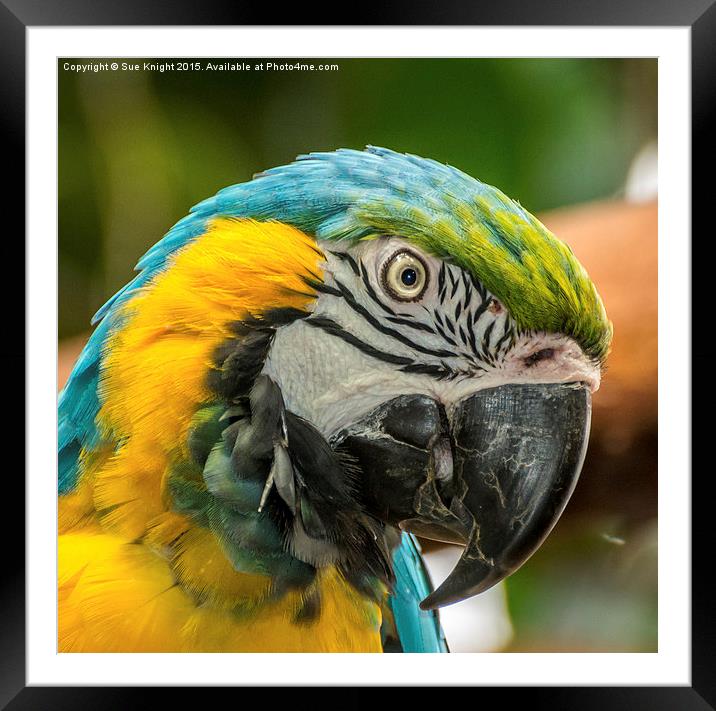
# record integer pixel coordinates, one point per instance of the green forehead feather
(535, 275)
(351, 194)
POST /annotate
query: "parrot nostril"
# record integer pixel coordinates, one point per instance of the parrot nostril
(537, 356)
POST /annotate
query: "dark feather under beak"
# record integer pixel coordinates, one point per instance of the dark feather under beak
(493, 475)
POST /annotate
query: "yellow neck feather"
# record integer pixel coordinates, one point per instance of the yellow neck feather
(153, 379)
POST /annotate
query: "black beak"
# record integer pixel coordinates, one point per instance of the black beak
(494, 476)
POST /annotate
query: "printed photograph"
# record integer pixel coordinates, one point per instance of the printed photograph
(357, 355)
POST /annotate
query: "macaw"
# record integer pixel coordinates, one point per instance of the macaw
(308, 370)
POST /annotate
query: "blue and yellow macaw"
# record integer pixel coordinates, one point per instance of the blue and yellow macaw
(308, 369)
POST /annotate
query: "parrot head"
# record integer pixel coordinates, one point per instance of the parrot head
(435, 374)
(450, 354)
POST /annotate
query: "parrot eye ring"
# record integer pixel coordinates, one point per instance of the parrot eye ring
(405, 276)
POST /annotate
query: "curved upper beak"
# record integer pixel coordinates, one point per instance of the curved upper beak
(494, 475)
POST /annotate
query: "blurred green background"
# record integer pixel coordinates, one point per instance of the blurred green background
(138, 149)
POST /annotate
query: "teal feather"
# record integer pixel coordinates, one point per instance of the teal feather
(418, 630)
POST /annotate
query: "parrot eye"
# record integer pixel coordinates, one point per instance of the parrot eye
(405, 276)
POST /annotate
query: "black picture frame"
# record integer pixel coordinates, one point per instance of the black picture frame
(699, 15)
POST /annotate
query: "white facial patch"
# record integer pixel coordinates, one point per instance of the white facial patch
(362, 346)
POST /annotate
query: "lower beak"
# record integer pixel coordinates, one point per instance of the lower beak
(495, 476)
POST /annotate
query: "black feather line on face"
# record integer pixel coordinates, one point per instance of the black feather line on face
(479, 287)
(503, 339)
(378, 326)
(322, 288)
(468, 290)
(449, 324)
(463, 335)
(473, 338)
(481, 309)
(371, 291)
(472, 320)
(340, 290)
(445, 337)
(440, 372)
(458, 329)
(345, 257)
(455, 283)
(486, 341)
(330, 326)
(417, 325)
